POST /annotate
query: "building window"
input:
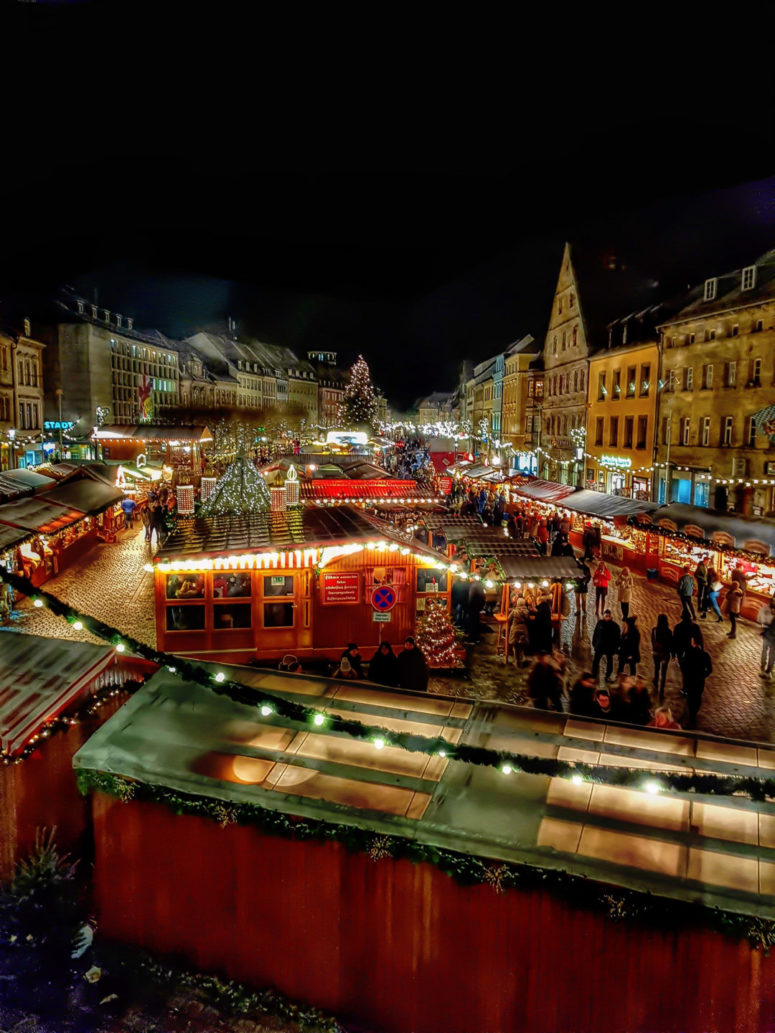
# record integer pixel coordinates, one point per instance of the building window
(599, 430)
(710, 289)
(751, 433)
(617, 383)
(575, 334)
(706, 430)
(689, 378)
(583, 380)
(735, 330)
(601, 391)
(571, 301)
(726, 431)
(627, 432)
(712, 335)
(707, 376)
(685, 424)
(554, 345)
(531, 389)
(731, 373)
(624, 333)
(613, 437)
(758, 326)
(529, 425)
(631, 382)
(642, 429)
(645, 378)
(692, 338)
(749, 277)
(564, 340)
(756, 373)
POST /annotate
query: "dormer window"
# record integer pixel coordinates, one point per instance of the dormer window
(749, 277)
(710, 289)
(27, 328)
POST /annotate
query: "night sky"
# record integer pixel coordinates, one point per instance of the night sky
(377, 200)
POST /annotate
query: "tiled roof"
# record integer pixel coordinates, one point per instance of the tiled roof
(358, 491)
(38, 515)
(152, 432)
(544, 491)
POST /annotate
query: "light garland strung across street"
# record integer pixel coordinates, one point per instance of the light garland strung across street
(754, 787)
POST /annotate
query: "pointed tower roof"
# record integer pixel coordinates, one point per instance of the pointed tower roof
(242, 489)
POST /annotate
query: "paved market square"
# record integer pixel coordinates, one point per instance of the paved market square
(112, 585)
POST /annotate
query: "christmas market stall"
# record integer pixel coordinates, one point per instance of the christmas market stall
(250, 577)
(291, 831)
(605, 518)
(179, 450)
(680, 535)
(53, 694)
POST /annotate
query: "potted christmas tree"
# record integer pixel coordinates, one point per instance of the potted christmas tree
(437, 637)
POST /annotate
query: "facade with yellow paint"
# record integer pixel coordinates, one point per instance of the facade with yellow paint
(621, 409)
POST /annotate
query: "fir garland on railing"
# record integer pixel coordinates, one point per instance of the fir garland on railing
(581, 891)
(756, 788)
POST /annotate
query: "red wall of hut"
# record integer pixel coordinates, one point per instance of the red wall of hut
(396, 946)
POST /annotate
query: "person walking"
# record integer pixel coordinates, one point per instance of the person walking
(476, 601)
(624, 585)
(580, 588)
(661, 651)
(518, 634)
(157, 522)
(701, 578)
(145, 516)
(734, 605)
(685, 593)
(629, 650)
(460, 601)
(606, 640)
(129, 506)
(768, 649)
(714, 587)
(696, 667)
(542, 537)
(601, 580)
(543, 684)
(412, 667)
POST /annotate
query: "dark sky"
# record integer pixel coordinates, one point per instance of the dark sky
(407, 196)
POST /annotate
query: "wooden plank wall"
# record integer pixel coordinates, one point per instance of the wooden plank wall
(397, 947)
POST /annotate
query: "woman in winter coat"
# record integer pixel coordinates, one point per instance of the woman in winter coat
(662, 650)
(624, 584)
(518, 636)
(412, 667)
(714, 588)
(629, 652)
(383, 666)
(601, 580)
(734, 605)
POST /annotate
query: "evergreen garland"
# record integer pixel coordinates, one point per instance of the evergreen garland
(616, 902)
(753, 787)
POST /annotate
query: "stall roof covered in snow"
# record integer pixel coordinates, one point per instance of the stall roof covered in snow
(189, 739)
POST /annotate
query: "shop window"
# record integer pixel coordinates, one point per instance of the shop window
(185, 586)
(278, 615)
(228, 616)
(278, 584)
(431, 580)
(228, 585)
(185, 618)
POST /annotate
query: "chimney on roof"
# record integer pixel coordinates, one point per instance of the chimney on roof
(129, 322)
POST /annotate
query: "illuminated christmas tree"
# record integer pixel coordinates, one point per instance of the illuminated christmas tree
(436, 636)
(358, 403)
(241, 490)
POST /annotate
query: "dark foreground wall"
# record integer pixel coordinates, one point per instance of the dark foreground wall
(401, 947)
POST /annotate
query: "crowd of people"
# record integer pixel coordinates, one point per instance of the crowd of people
(407, 669)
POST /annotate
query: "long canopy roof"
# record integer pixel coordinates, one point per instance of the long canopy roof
(740, 529)
(598, 503)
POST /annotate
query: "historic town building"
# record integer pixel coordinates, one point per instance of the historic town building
(565, 358)
(331, 383)
(718, 371)
(21, 394)
(518, 404)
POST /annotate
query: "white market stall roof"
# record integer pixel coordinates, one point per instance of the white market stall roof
(598, 503)
(745, 533)
(151, 432)
(185, 737)
(39, 678)
(543, 491)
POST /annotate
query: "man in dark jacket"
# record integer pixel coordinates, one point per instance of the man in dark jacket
(476, 601)
(695, 666)
(606, 640)
(460, 601)
(543, 684)
(412, 668)
(683, 633)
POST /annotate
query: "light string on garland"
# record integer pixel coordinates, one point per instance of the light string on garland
(64, 722)
(755, 788)
(615, 902)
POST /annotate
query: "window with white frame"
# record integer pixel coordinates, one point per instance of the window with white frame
(731, 373)
(685, 424)
(689, 378)
(706, 430)
(554, 345)
(710, 289)
(735, 330)
(756, 372)
(707, 376)
(749, 277)
(726, 430)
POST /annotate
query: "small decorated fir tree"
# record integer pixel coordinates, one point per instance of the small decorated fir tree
(436, 636)
(241, 490)
(358, 402)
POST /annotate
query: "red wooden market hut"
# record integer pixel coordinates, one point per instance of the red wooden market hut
(286, 853)
(304, 581)
(47, 686)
